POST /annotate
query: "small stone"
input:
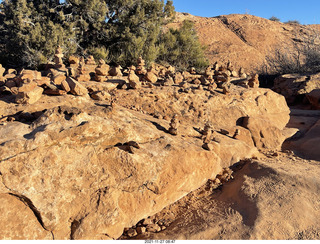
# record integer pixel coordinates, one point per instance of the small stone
(76, 88)
(153, 228)
(29, 97)
(132, 233)
(141, 230)
(207, 146)
(147, 221)
(58, 79)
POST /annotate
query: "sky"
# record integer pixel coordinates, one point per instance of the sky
(306, 12)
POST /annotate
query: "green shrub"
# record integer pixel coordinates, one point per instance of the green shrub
(181, 48)
(273, 18)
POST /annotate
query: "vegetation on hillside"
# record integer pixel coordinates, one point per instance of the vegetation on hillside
(115, 30)
(304, 59)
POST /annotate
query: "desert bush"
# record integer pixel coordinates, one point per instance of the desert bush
(181, 48)
(305, 57)
(273, 18)
(32, 31)
(115, 30)
(293, 22)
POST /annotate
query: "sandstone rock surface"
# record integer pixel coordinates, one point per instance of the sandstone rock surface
(245, 39)
(91, 170)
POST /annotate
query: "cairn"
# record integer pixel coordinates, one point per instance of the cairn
(207, 78)
(173, 130)
(170, 70)
(253, 82)
(101, 71)
(225, 88)
(58, 63)
(192, 71)
(91, 61)
(83, 73)
(242, 74)
(116, 71)
(207, 136)
(134, 80)
(141, 70)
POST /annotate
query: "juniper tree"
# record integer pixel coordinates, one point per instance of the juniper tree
(33, 31)
(181, 47)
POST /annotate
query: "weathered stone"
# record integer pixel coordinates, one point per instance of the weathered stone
(100, 95)
(141, 230)
(116, 71)
(27, 96)
(65, 86)
(254, 81)
(74, 60)
(132, 233)
(103, 68)
(43, 81)
(264, 134)
(58, 79)
(29, 75)
(178, 78)
(153, 228)
(19, 220)
(151, 77)
(314, 98)
(76, 88)
(90, 60)
(134, 80)
(2, 70)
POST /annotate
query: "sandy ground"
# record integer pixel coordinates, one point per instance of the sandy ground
(275, 197)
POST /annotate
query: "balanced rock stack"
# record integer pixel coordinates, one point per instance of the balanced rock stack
(83, 71)
(116, 71)
(58, 63)
(173, 130)
(207, 78)
(207, 136)
(232, 70)
(28, 91)
(90, 64)
(134, 80)
(101, 71)
(141, 70)
(254, 81)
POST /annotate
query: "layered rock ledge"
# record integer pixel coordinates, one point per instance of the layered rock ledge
(84, 169)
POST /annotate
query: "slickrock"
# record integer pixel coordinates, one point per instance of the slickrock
(18, 220)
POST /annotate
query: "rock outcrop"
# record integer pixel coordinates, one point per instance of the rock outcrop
(297, 88)
(90, 170)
